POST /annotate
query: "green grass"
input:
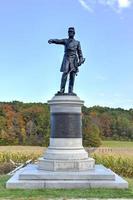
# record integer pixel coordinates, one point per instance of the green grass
(113, 143)
(65, 193)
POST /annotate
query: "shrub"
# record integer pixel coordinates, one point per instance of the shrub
(17, 157)
(121, 165)
(6, 167)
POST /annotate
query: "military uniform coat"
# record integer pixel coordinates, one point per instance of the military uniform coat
(72, 54)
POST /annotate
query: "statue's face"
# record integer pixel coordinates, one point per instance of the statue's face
(71, 33)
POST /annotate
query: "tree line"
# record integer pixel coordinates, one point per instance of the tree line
(29, 124)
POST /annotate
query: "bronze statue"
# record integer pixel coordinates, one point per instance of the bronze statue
(72, 59)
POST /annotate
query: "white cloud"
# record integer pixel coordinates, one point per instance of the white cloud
(124, 3)
(115, 5)
(85, 5)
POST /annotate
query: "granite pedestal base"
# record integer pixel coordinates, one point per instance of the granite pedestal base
(66, 154)
(65, 163)
(30, 177)
(69, 165)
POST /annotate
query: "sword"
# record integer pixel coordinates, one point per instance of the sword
(79, 63)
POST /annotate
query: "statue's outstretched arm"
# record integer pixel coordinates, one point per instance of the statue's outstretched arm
(56, 41)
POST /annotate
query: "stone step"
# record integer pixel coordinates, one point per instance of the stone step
(99, 173)
(15, 182)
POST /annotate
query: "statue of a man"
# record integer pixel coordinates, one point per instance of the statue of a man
(72, 59)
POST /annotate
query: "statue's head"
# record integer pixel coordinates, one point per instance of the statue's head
(71, 32)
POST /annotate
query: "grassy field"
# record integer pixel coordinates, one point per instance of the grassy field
(39, 150)
(42, 194)
(121, 144)
(22, 149)
(115, 148)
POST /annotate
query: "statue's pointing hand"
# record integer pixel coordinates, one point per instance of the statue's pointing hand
(50, 41)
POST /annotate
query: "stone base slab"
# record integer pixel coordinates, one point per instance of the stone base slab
(99, 173)
(65, 153)
(30, 177)
(65, 103)
(66, 165)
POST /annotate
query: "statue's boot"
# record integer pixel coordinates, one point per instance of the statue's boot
(61, 91)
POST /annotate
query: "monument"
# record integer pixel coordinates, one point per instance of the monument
(66, 164)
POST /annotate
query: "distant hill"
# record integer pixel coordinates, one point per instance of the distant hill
(29, 124)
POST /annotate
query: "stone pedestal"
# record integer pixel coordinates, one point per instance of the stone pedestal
(65, 164)
(66, 152)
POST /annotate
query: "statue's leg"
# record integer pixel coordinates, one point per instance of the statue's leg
(71, 81)
(63, 81)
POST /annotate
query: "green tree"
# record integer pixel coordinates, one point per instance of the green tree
(91, 133)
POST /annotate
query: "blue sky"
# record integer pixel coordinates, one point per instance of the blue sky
(30, 67)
